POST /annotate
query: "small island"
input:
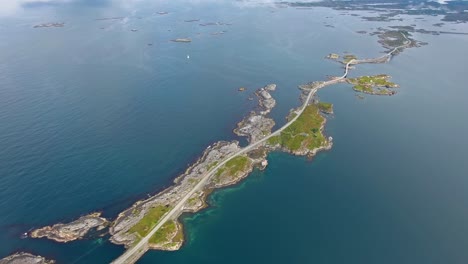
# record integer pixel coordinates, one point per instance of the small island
(183, 40)
(348, 57)
(377, 85)
(73, 230)
(46, 25)
(333, 56)
(25, 258)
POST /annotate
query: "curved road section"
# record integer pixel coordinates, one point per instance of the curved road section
(133, 253)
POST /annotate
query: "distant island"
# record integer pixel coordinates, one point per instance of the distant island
(46, 25)
(452, 11)
(183, 40)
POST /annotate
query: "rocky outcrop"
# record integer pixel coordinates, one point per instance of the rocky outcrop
(183, 40)
(25, 258)
(256, 125)
(73, 230)
(266, 101)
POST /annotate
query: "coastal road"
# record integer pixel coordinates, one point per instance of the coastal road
(128, 256)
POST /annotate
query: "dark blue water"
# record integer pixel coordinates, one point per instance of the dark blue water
(94, 119)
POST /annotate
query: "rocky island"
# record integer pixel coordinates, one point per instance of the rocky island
(333, 56)
(46, 25)
(73, 230)
(256, 125)
(183, 40)
(377, 85)
(25, 258)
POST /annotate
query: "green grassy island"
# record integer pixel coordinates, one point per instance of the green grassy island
(305, 134)
(377, 84)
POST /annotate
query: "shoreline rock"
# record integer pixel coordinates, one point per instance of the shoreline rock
(25, 258)
(256, 125)
(73, 230)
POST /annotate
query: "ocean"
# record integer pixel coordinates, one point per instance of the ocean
(94, 118)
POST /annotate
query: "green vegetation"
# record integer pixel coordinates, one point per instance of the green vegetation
(193, 201)
(363, 88)
(325, 107)
(153, 216)
(212, 165)
(291, 116)
(377, 80)
(179, 236)
(163, 235)
(348, 57)
(303, 133)
(257, 153)
(274, 140)
(237, 164)
(394, 38)
(232, 167)
(193, 181)
(373, 84)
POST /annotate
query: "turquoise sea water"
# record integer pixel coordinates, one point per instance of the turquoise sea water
(94, 119)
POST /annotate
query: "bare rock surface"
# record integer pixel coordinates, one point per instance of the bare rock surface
(256, 125)
(25, 258)
(73, 230)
